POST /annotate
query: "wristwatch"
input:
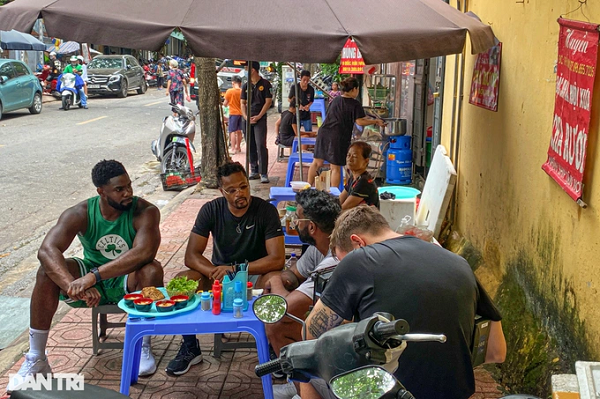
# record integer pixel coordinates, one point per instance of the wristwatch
(97, 274)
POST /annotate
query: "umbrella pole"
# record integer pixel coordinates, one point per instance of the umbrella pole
(248, 113)
(297, 97)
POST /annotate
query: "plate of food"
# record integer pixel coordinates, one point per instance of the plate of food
(156, 302)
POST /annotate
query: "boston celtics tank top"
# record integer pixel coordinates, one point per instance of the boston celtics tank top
(106, 240)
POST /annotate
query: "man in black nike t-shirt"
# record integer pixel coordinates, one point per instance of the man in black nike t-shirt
(243, 228)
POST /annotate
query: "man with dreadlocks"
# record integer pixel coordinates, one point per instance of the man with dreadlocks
(120, 237)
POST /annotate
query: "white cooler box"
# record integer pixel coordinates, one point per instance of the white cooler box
(394, 210)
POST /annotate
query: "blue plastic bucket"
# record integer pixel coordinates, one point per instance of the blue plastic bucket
(399, 191)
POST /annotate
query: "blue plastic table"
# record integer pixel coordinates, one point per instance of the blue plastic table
(194, 322)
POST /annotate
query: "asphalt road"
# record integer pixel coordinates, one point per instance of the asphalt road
(46, 160)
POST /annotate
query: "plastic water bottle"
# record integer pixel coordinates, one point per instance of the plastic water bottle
(238, 293)
(291, 261)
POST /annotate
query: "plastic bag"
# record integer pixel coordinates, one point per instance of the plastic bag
(408, 228)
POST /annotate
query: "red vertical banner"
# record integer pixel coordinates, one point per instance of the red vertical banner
(575, 73)
(486, 79)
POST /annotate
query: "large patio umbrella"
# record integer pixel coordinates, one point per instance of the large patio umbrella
(14, 40)
(278, 30)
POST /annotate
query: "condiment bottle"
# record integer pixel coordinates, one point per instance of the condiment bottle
(238, 304)
(237, 292)
(216, 289)
(249, 290)
(205, 301)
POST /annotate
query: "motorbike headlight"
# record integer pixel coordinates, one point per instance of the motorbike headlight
(114, 78)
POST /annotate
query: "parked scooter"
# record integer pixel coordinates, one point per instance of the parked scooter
(170, 148)
(150, 79)
(68, 86)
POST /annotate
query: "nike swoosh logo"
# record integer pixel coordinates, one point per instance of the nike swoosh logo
(249, 227)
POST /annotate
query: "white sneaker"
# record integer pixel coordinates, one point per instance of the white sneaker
(32, 365)
(284, 391)
(147, 362)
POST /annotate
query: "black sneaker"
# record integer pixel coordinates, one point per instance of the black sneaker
(186, 358)
(254, 176)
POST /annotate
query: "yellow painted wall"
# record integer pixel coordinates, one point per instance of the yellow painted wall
(510, 209)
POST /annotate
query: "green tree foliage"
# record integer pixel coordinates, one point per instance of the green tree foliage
(333, 70)
(3, 2)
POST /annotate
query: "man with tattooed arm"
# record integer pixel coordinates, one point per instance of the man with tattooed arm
(433, 289)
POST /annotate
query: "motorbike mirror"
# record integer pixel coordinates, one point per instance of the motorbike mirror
(369, 382)
(270, 308)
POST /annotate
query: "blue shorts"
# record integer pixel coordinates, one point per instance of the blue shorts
(235, 123)
(307, 124)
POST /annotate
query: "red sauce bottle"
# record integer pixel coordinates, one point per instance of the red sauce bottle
(216, 305)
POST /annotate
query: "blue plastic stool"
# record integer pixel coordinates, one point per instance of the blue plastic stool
(307, 157)
(305, 141)
(319, 106)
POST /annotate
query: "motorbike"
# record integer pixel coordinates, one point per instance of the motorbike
(68, 86)
(357, 359)
(335, 355)
(150, 79)
(175, 141)
(47, 79)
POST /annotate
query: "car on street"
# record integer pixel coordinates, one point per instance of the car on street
(223, 77)
(115, 74)
(19, 88)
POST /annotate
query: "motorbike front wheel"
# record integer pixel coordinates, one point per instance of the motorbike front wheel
(176, 159)
(66, 102)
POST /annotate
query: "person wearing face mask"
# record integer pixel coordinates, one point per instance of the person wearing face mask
(316, 213)
(333, 139)
(307, 96)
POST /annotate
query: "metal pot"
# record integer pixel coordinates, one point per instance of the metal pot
(395, 127)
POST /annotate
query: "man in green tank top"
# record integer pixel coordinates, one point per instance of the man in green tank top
(120, 237)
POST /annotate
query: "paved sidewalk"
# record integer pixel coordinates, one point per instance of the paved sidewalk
(230, 376)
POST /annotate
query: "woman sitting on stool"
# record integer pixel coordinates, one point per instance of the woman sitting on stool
(360, 187)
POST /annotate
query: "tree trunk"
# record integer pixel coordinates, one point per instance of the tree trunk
(214, 148)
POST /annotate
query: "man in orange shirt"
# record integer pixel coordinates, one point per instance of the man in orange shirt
(232, 99)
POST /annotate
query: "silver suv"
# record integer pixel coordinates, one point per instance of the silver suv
(115, 74)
